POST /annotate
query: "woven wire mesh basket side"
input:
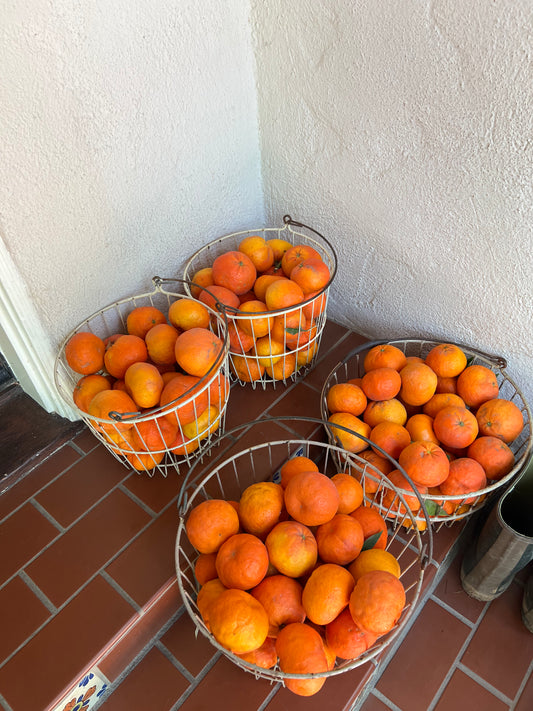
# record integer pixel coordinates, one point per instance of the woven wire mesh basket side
(259, 462)
(439, 506)
(302, 327)
(207, 401)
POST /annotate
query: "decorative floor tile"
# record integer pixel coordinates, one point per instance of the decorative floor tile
(85, 695)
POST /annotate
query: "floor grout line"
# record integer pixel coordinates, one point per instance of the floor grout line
(522, 686)
(484, 683)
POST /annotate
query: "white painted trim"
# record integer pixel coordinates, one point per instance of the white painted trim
(24, 342)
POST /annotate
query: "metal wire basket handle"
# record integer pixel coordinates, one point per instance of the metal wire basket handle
(287, 220)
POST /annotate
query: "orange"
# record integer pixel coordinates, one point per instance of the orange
(346, 638)
(446, 385)
(260, 507)
(291, 329)
(264, 656)
(209, 592)
(349, 440)
(283, 368)
(301, 650)
(294, 465)
(238, 621)
(500, 418)
(373, 525)
(466, 476)
(377, 601)
(262, 283)
(392, 501)
(292, 548)
(346, 397)
(198, 350)
(145, 461)
(234, 270)
(208, 421)
(494, 455)
(258, 250)
(440, 400)
(339, 540)
(384, 355)
(447, 360)
(420, 427)
(160, 341)
(425, 463)
(242, 561)
(210, 523)
(311, 498)
(144, 383)
(107, 403)
(283, 293)
(204, 568)
(260, 323)
(295, 254)
(279, 247)
(391, 410)
(374, 559)
(455, 426)
(202, 278)
(268, 351)
(281, 597)
(350, 492)
(477, 384)
(239, 341)
(218, 297)
(87, 387)
(311, 275)
(154, 435)
(247, 370)
(368, 474)
(122, 353)
(390, 437)
(84, 353)
(142, 318)
(188, 313)
(381, 383)
(327, 592)
(314, 305)
(184, 388)
(419, 383)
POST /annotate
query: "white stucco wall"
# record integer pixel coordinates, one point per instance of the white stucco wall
(128, 139)
(403, 131)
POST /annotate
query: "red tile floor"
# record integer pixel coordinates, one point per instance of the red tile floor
(87, 584)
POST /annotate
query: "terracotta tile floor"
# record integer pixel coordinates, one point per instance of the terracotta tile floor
(88, 587)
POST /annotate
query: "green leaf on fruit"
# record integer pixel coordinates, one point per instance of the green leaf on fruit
(371, 541)
(292, 331)
(434, 508)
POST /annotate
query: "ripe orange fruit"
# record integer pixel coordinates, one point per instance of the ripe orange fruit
(142, 318)
(209, 592)
(202, 278)
(144, 383)
(264, 656)
(446, 385)
(455, 427)
(368, 474)
(292, 548)
(420, 427)
(315, 304)
(257, 325)
(184, 314)
(242, 561)
(339, 540)
(381, 383)
(391, 410)
(477, 384)
(259, 251)
(145, 461)
(160, 342)
(234, 270)
(393, 502)
(154, 435)
(84, 353)
(268, 351)
(350, 492)
(377, 601)
(204, 568)
(301, 650)
(291, 329)
(238, 621)
(349, 440)
(440, 400)
(279, 247)
(372, 523)
(295, 254)
(260, 507)
(198, 350)
(262, 283)
(239, 341)
(311, 498)
(419, 383)
(346, 397)
(327, 592)
(384, 355)
(447, 360)
(374, 559)
(425, 463)
(207, 422)
(283, 368)
(247, 370)
(283, 293)
(210, 523)
(281, 597)
(500, 418)
(87, 387)
(122, 353)
(217, 297)
(185, 388)
(466, 476)
(391, 437)
(346, 638)
(108, 402)
(294, 465)
(494, 455)
(311, 275)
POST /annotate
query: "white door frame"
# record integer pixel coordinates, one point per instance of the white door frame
(23, 341)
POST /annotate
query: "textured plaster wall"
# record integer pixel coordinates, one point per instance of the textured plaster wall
(129, 139)
(403, 131)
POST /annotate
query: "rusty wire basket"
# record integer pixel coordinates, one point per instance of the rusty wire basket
(207, 400)
(302, 326)
(261, 461)
(445, 510)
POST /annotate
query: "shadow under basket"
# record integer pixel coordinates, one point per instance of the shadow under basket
(300, 326)
(445, 510)
(199, 413)
(261, 461)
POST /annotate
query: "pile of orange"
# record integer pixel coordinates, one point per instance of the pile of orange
(258, 284)
(440, 417)
(296, 573)
(158, 363)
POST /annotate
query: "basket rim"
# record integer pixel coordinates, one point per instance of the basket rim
(495, 361)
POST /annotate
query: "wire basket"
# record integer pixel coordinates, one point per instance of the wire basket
(300, 328)
(261, 461)
(461, 506)
(207, 400)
